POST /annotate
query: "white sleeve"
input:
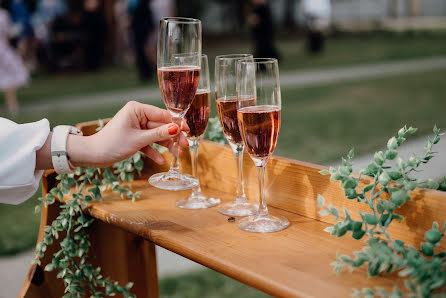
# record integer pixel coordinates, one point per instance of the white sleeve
(19, 179)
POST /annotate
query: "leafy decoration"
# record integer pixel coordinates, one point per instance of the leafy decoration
(71, 260)
(423, 267)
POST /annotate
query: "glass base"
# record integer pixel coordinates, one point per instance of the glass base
(238, 209)
(173, 181)
(263, 224)
(197, 202)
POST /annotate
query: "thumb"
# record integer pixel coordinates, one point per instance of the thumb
(160, 133)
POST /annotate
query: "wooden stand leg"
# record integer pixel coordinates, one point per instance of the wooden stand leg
(125, 257)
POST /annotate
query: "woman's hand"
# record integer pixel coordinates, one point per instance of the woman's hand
(133, 128)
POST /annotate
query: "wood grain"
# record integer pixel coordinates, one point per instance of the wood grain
(291, 263)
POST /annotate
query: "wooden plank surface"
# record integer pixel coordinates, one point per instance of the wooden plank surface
(291, 263)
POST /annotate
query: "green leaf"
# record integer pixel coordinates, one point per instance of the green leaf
(350, 193)
(395, 175)
(49, 267)
(384, 178)
(358, 234)
(412, 161)
(356, 225)
(399, 197)
(328, 229)
(349, 183)
(324, 172)
(379, 158)
(391, 154)
(371, 219)
(392, 143)
(432, 236)
(372, 168)
(351, 153)
(405, 272)
(320, 201)
(427, 249)
(334, 211)
(432, 184)
(412, 185)
(323, 212)
(346, 171)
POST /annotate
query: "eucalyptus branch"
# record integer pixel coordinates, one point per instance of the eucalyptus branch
(71, 260)
(424, 270)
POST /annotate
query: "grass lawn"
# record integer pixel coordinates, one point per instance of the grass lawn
(340, 51)
(206, 283)
(20, 226)
(321, 124)
(367, 48)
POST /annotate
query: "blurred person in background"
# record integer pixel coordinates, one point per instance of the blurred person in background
(21, 19)
(141, 26)
(13, 72)
(123, 47)
(42, 20)
(261, 22)
(160, 9)
(66, 45)
(317, 18)
(94, 27)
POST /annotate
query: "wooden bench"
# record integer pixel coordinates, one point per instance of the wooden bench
(290, 263)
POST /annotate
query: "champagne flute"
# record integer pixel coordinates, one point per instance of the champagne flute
(179, 56)
(197, 118)
(226, 102)
(258, 113)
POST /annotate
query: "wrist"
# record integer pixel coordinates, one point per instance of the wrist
(80, 151)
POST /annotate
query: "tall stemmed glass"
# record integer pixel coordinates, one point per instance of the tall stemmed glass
(197, 119)
(179, 56)
(258, 113)
(226, 102)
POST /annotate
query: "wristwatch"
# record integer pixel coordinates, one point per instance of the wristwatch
(61, 162)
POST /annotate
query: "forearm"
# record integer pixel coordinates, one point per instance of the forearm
(43, 155)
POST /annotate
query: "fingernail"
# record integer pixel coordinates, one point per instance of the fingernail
(173, 129)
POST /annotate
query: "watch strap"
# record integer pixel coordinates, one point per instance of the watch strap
(59, 156)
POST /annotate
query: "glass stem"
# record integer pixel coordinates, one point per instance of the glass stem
(263, 209)
(240, 196)
(193, 147)
(174, 166)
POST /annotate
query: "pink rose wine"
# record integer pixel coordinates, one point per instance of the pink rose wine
(259, 127)
(198, 114)
(178, 85)
(227, 114)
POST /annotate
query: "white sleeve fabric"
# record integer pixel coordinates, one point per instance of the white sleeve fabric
(19, 179)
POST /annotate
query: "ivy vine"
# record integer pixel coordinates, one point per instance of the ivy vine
(76, 191)
(424, 267)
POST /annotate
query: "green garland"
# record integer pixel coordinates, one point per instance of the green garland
(424, 269)
(72, 259)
